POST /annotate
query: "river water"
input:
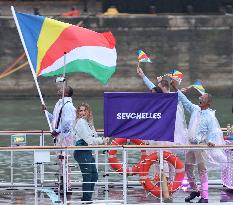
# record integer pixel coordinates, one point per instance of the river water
(25, 114)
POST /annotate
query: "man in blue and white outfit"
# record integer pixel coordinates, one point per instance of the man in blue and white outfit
(203, 129)
(62, 120)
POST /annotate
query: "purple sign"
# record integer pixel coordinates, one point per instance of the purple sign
(147, 116)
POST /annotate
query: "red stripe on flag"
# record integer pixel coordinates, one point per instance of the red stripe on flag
(74, 37)
(144, 56)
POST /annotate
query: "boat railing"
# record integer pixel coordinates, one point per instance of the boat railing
(36, 167)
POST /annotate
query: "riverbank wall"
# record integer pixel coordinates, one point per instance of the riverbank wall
(199, 46)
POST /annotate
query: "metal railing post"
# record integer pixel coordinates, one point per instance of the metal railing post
(97, 159)
(36, 197)
(97, 168)
(64, 171)
(125, 175)
(160, 173)
(42, 164)
(35, 181)
(12, 169)
(106, 188)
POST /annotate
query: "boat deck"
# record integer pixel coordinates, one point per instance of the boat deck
(135, 195)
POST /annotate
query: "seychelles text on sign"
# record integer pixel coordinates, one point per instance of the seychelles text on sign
(138, 116)
(145, 116)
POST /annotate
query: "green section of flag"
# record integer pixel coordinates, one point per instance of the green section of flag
(100, 72)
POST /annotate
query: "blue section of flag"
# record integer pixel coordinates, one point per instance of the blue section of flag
(30, 27)
(197, 83)
(139, 51)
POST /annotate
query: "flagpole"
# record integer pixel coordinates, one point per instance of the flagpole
(64, 78)
(30, 64)
(64, 83)
(138, 65)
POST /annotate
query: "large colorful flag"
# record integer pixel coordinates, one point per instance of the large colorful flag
(144, 116)
(47, 40)
(142, 57)
(198, 86)
(176, 75)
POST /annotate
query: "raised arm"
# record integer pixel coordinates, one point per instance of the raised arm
(188, 105)
(147, 82)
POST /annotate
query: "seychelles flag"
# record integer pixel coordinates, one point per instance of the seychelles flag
(176, 75)
(47, 40)
(142, 57)
(198, 86)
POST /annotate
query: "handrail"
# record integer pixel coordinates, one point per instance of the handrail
(116, 147)
(46, 132)
(34, 132)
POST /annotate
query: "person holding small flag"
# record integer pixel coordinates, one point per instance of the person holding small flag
(203, 129)
(181, 135)
(143, 58)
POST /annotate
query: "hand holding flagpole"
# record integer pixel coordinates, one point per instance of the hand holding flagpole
(184, 90)
(138, 66)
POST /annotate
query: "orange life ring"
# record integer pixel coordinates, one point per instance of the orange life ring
(113, 161)
(154, 188)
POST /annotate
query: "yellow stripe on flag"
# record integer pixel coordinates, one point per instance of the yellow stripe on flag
(50, 31)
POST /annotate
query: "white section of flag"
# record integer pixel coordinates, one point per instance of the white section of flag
(102, 55)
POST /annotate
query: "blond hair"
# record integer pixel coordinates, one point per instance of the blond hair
(89, 117)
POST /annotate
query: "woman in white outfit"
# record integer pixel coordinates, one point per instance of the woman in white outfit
(85, 135)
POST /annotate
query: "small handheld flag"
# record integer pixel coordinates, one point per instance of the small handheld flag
(142, 57)
(198, 86)
(176, 75)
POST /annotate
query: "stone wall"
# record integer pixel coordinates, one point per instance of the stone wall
(199, 46)
(50, 8)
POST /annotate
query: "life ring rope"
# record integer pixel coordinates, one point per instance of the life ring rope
(154, 188)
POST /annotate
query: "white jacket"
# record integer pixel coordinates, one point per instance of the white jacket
(85, 131)
(68, 115)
